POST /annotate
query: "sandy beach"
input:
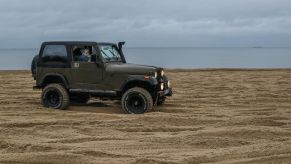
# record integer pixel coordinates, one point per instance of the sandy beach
(214, 116)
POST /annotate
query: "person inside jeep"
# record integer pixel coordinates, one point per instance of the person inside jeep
(82, 55)
(86, 56)
(76, 53)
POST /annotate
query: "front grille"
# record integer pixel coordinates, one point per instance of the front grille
(159, 74)
(166, 85)
(160, 79)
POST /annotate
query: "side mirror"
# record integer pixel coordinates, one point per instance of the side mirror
(94, 58)
(99, 62)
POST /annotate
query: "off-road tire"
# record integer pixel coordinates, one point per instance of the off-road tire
(79, 98)
(55, 96)
(136, 101)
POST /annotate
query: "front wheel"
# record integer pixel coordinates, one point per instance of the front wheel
(137, 101)
(55, 96)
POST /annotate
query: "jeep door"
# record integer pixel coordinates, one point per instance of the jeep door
(86, 74)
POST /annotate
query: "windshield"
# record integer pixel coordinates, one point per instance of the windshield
(110, 53)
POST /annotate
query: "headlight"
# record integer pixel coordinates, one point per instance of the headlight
(162, 86)
(169, 84)
(162, 73)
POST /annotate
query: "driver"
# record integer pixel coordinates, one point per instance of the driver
(86, 56)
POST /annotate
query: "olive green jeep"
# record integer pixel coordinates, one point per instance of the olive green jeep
(75, 71)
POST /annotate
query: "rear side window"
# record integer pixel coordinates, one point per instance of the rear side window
(54, 53)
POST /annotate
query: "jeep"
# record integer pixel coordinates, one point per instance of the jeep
(75, 71)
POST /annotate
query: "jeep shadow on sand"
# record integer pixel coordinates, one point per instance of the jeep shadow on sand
(75, 71)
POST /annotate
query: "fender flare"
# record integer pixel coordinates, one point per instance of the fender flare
(58, 75)
(152, 82)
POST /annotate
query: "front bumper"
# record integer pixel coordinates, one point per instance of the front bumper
(166, 92)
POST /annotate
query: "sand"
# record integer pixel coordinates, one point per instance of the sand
(215, 116)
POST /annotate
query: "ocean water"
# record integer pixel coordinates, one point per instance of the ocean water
(18, 59)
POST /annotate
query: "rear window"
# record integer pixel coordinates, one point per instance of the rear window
(54, 53)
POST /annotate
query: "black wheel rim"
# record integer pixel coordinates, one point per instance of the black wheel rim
(52, 98)
(136, 103)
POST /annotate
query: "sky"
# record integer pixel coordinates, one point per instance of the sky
(147, 23)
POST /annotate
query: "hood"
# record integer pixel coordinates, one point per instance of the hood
(127, 68)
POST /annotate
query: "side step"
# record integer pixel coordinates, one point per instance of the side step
(100, 93)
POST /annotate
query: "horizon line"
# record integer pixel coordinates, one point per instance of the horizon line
(255, 47)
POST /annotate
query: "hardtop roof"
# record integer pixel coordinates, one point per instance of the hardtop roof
(75, 43)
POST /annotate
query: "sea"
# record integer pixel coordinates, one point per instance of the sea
(182, 57)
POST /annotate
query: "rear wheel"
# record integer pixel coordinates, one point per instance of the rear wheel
(55, 96)
(136, 101)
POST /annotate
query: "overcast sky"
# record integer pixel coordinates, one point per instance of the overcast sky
(147, 23)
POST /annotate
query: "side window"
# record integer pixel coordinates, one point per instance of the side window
(54, 53)
(84, 53)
